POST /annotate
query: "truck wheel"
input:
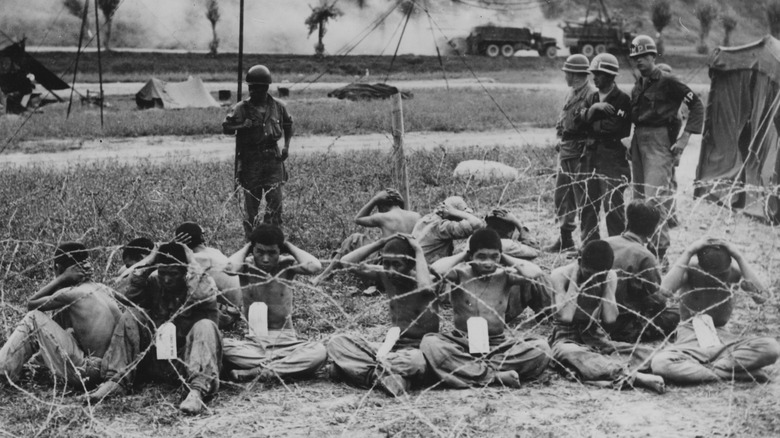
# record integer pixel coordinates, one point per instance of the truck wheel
(550, 52)
(507, 50)
(601, 48)
(588, 50)
(492, 50)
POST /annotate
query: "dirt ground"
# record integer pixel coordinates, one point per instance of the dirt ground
(559, 408)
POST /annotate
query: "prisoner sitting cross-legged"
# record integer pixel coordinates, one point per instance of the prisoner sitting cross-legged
(167, 286)
(275, 352)
(414, 309)
(705, 351)
(585, 298)
(481, 280)
(73, 339)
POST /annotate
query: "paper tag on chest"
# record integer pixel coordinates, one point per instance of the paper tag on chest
(258, 319)
(479, 339)
(705, 331)
(392, 337)
(165, 342)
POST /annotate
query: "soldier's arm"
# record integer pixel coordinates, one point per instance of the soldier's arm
(695, 105)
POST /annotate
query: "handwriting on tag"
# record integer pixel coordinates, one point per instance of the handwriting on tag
(390, 339)
(258, 319)
(479, 340)
(705, 331)
(165, 342)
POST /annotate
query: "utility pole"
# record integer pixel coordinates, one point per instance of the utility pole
(400, 173)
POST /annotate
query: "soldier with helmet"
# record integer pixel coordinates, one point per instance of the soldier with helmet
(655, 102)
(259, 122)
(573, 135)
(607, 114)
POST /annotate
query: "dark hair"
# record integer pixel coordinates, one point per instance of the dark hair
(714, 259)
(394, 199)
(398, 246)
(503, 227)
(70, 253)
(193, 230)
(597, 256)
(484, 239)
(138, 248)
(642, 218)
(267, 234)
(171, 253)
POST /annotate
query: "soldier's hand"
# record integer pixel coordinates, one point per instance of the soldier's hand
(77, 273)
(604, 107)
(285, 153)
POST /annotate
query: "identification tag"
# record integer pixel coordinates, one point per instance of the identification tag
(479, 340)
(165, 342)
(258, 319)
(390, 339)
(705, 331)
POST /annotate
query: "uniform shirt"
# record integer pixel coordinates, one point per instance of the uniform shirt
(655, 101)
(198, 301)
(435, 235)
(568, 128)
(267, 126)
(605, 126)
(637, 269)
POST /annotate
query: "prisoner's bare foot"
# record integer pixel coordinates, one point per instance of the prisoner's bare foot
(651, 382)
(507, 378)
(105, 390)
(258, 373)
(193, 404)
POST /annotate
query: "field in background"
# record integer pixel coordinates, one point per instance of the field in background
(104, 205)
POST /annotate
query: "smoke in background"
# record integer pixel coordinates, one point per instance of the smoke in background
(270, 26)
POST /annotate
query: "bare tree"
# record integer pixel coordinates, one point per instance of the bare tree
(108, 8)
(661, 15)
(729, 21)
(212, 14)
(706, 12)
(76, 8)
(773, 17)
(318, 19)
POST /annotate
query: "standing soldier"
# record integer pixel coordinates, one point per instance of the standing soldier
(569, 191)
(259, 123)
(608, 115)
(655, 102)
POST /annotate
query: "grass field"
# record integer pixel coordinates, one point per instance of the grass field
(313, 113)
(106, 204)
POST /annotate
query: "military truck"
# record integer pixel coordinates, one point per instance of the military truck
(597, 34)
(506, 41)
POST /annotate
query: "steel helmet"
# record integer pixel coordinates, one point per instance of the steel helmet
(576, 64)
(259, 74)
(642, 45)
(605, 62)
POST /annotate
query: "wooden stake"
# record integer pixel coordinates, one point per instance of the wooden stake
(100, 62)
(400, 174)
(240, 50)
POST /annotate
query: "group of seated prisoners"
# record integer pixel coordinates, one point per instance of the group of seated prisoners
(604, 307)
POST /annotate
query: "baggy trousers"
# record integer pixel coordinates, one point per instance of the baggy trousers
(60, 351)
(449, 358)
(357, 363)
(652, 164)
(686, 362)
(281, 352)
(132, 355)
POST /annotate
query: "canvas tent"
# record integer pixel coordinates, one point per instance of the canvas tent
(738, 164)
(170, 95)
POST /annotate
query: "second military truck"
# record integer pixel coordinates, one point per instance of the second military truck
(506, 41)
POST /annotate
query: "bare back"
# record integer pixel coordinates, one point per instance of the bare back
(214, 262)
(397, 221)
(92, 313)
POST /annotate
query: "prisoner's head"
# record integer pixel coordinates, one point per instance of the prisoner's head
(715, 260)
(267, 243)
(642, 218)
(503, 227)
(485, 251)
(136, 250)
(189, 233)
(171, 264)
(394, 199)
(597, 258)
(69, 254)
(398, 256)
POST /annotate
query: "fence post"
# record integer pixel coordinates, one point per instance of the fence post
(400, 173)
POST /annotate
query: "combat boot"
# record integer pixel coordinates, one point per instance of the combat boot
(564, 243)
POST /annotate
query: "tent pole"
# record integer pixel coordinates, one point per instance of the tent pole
(240, 50)
(78, 54)
(100, 63)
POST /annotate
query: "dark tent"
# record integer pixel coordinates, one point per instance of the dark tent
(738, 164)
(25, 63)
(160, 94)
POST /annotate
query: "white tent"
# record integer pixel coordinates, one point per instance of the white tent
(170, 95)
